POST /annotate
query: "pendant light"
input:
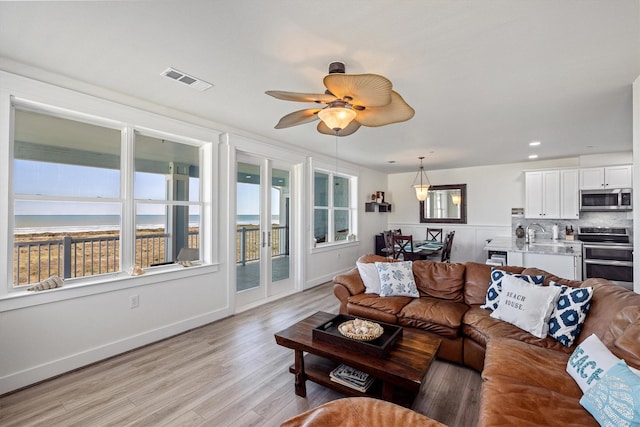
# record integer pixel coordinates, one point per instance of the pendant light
(421, 188)
(456, 199)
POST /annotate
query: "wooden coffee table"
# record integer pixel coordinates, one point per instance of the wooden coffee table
(399, 375)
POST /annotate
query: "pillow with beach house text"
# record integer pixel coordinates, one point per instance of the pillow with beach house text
(526, 306)
(495, 286)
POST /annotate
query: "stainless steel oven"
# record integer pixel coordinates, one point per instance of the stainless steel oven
(607, 253)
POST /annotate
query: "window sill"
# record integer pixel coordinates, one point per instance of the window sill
(326, 247)
(100, 284)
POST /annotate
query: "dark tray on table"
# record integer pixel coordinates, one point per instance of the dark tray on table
(328, 332)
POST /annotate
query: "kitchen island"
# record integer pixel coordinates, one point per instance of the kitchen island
(560, 257)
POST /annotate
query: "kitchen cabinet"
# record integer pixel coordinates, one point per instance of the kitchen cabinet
(606, 177)
(565, 266)
(542, 194)
(569, 194)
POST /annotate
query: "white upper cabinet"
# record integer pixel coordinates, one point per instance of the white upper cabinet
(569, 194)
(606, 177)
(542, 199)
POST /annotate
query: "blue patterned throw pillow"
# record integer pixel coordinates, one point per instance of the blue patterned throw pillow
(570, 313)
(495, 286)
(614, 401)
(396, 279)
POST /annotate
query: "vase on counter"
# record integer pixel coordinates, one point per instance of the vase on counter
(519, 232)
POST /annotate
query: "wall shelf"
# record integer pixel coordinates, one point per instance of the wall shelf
(381, 207)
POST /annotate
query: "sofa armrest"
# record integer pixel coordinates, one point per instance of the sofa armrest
(346, 285)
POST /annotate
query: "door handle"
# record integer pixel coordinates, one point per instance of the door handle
(263, 240)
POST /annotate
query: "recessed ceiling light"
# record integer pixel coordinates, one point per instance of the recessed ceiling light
(391, 161)
(534, 143)
(533, 156)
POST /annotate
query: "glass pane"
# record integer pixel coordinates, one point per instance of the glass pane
(341, 221)
(280, 198)
(321, 225)
(321, 189)
(52, 155)
(166, 170)
(164, 233)
(65, 239)
(341, 192)
(248, 227)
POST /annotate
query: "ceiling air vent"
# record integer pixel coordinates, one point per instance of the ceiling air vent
(191, 81)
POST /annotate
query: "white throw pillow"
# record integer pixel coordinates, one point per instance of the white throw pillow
(396, 279)
(590, 361)
(526, 306)
(370, 278)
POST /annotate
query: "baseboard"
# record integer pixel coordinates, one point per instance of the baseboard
(324, 279)
(54, 368)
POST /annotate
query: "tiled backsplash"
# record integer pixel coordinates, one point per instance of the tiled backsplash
(587, 219)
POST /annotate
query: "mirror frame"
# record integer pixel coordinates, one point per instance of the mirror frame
(463, 205)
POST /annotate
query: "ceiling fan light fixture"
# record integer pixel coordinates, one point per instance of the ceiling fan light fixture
(337, 118)
(422, 187)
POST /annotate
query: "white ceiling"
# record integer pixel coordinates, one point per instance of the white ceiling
(485, 77)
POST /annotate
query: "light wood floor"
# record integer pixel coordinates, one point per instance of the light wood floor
(228, 373)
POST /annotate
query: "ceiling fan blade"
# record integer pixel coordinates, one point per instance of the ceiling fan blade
(369, 90)
(351, 128)
(298, 118)
(320, 98)
(396, 111)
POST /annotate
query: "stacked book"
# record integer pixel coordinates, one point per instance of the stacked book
(351, 378)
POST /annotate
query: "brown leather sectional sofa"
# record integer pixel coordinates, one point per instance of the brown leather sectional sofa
(525, 382)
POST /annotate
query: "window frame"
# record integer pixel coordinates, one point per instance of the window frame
(332, 209)
(119, 117)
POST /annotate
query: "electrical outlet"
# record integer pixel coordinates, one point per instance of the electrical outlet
(134, 301)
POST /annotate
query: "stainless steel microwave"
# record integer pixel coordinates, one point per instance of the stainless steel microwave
(615, 199)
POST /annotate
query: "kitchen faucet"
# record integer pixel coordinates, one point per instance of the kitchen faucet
(526, 233)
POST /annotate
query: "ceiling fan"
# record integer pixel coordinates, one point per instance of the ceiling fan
(352, 100)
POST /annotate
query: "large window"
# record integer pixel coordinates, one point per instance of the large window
(72, 203)
(332, 212)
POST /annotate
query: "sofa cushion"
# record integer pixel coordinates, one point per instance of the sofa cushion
(608, 316)
(435, 315)
(548, 277)
(526, 305)
(627, 345)
(495, 286)
(476, 281)
(391, 305)
(478, 325)
(615, 399)
(570, 313)
(440, 280)
(504, 402)
(516, 361)
(396, 279)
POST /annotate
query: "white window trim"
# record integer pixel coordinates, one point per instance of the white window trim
(17, 91)
(353, 208)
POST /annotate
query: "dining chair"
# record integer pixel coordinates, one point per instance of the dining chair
(446, 247)
(403, 246)
(434, 234)
(388, 243)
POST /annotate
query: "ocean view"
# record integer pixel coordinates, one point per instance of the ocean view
(31, 224)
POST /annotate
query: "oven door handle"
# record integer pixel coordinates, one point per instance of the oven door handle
(612, 247)
(609, 262)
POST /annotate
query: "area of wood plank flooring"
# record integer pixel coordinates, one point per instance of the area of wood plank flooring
(228, 373)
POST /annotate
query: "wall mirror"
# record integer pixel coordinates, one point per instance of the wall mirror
(445, 204)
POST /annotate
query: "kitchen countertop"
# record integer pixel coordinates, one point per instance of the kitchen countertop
(539, 246)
